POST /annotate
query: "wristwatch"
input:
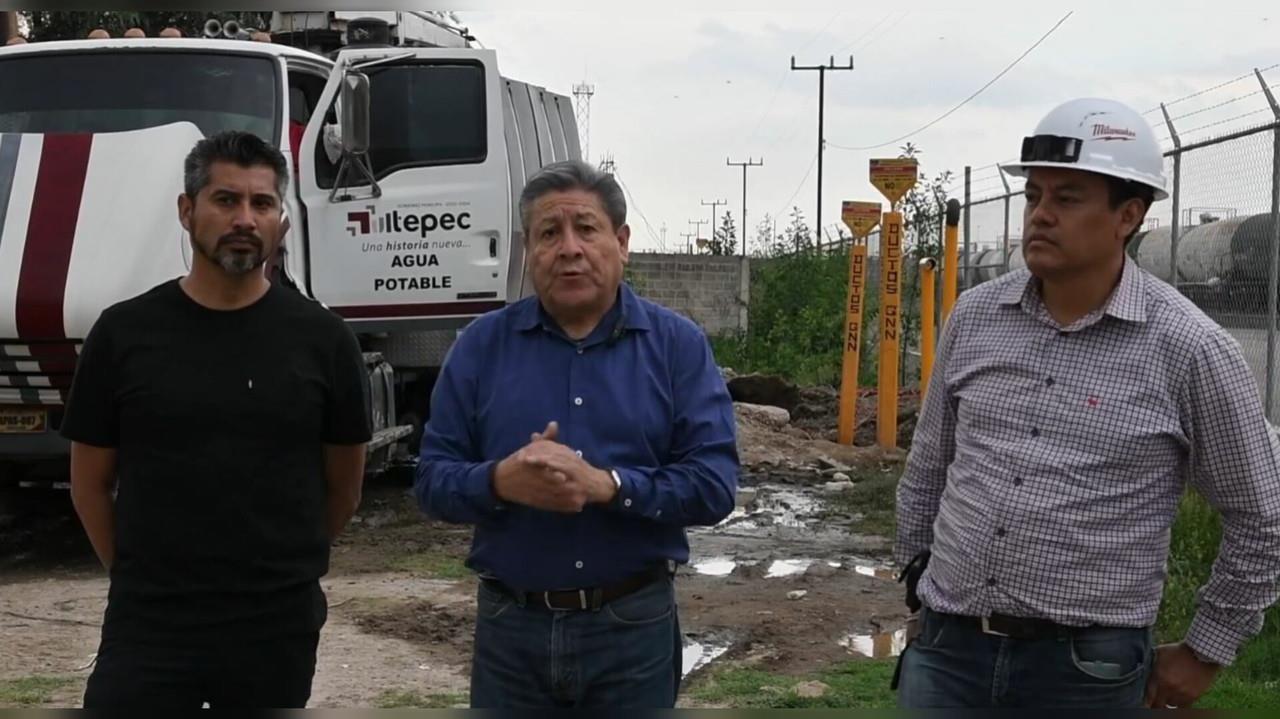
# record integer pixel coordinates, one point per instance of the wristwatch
(617, 480)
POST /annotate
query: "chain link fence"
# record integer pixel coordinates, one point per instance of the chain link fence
(1216, 239)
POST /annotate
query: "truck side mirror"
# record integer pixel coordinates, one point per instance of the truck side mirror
(355, 113)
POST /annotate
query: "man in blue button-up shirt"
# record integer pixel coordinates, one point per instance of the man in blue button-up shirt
(580, 430)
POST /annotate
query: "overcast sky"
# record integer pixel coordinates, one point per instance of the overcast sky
(676, 92)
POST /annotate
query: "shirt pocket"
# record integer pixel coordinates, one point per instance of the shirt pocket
(1116, 420)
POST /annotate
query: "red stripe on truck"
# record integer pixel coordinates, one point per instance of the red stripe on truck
(51, 230)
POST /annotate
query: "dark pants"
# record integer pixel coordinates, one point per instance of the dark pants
(272, 674)
(627, 654)
(953, 663)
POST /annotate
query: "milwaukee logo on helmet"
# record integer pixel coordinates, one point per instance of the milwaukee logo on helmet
(1107, 132)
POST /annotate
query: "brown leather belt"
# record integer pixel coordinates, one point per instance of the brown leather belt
(587, 599)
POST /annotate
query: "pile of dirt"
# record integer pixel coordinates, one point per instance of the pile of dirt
(416, 621)
(816, 410)
(801, 440)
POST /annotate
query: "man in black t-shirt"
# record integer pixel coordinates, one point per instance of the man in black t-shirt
(230, 417)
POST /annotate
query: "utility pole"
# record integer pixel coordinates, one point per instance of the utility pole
(822, 89)
(714, 204)
(688, 244)
(744, 166)
(697, 228)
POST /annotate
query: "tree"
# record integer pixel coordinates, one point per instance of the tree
(798, 234)
(66, 25)
(724, 241)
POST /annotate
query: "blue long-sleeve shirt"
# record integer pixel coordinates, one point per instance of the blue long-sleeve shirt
(641, 395)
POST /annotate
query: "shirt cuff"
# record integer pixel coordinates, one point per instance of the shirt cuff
(624, 500)
(480, 487)
(1213, 641)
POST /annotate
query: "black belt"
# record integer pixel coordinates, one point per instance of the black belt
(1028, 628)
(586, 599)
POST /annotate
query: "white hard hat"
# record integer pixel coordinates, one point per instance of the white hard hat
(1095, 135)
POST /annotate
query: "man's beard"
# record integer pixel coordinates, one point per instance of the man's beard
(235, 262)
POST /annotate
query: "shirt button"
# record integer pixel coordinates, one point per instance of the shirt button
(626, 503)
(578, 564)
(1035, 432)
(577, 401)
(1000, 532)
(1049, 381)
(579, 349)
(1017, 481)
(578, 452)
(991, 582)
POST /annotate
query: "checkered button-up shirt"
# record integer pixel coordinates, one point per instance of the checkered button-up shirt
(1048, 462)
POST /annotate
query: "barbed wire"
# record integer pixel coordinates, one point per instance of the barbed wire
(1207, 90)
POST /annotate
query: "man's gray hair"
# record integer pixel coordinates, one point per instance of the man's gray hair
(574, 175)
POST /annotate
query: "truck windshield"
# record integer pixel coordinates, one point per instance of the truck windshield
(114, 91)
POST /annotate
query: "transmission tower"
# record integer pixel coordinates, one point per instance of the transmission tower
(607, 165)
(582, 93)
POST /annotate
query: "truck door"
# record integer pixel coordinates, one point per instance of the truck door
(425, 235)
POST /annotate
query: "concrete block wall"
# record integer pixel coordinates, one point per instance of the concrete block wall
(711, 290)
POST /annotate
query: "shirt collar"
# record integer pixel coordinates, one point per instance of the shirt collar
(1127, 300)
(530, 314)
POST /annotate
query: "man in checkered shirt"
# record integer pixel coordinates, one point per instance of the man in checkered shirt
(1070, 404)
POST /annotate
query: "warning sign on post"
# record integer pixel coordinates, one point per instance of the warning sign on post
(860, 217)
(894, 177)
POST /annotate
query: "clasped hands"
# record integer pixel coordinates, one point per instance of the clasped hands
(545, 474)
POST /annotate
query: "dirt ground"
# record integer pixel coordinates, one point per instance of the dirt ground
(787, 583)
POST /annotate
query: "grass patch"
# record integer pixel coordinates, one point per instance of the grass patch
(409, 699)
(432, 564)
(852, 684)
(1253, 681)
(31, 691)
(874, 496)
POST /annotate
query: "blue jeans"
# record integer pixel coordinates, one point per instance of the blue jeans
(627, 654)
(952, 663)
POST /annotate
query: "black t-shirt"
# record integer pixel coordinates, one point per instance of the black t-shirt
(218, 419)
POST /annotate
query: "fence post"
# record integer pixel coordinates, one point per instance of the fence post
(964, 276)
(1008, 195)
(1273, 273)
(1175, 196)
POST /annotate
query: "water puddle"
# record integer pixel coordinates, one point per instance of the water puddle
(867, 570)
(715, 566)
(882, 645)
(787, 567)
(698, 654)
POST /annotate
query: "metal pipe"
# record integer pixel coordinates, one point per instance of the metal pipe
(968, 203)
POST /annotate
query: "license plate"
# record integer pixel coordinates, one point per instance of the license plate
(22, 420)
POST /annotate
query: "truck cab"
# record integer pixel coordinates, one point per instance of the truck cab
(401, 211)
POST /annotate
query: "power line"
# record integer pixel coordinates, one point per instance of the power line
(870, 30)
(892, 25)
(812, 162)
(966, 101)
(631, 199)
(782, 77)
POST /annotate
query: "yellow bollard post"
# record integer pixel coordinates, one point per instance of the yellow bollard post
(890, 324)
(861, 218)
(927, 267)
(950, 259)
(894, 178)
